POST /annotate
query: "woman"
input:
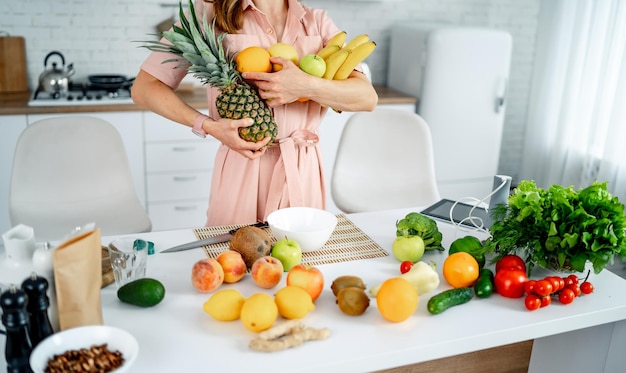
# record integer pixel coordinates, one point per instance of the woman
(250, 180)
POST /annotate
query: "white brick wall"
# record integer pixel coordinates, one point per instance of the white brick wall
(97, 37)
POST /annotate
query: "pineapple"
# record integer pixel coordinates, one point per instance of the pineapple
(203, 56)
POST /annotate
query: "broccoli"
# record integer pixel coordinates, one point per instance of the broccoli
(416, 224)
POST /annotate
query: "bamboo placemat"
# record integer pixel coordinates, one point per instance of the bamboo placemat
(346, 243)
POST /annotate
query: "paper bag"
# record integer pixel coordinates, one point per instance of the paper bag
(78, 278)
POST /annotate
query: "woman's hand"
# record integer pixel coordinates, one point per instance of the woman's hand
(281, 87)
(227, 132)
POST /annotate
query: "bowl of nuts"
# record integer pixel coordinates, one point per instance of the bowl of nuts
(93, 348)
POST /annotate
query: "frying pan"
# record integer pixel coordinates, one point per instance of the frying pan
(110, 81)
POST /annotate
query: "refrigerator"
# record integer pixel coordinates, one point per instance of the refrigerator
(459, 76)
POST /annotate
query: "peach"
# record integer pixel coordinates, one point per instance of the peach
(233, 265)
(207, 275)
(307, 277)
(267, 272)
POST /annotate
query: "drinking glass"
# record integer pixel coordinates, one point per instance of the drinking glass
(128, 259)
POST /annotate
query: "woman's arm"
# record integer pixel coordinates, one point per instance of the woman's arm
(160, 98)
(287, 85)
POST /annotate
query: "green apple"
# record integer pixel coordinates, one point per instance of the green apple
(288, 251)
(313, 64)
(408, 248)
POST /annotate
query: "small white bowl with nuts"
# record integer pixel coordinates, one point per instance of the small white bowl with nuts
(86, 349)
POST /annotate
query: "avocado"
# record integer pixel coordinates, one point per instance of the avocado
(144, 292)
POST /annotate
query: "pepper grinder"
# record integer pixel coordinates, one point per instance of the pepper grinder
(39, 326)
(15, 321)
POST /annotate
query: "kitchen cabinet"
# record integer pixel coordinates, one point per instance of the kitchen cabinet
(128, 124)
(179, 166)
(11, 126)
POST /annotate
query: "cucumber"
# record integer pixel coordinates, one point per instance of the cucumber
(144, 292)
(449, 298)
(483, 287)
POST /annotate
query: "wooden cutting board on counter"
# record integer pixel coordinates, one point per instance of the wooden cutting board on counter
(13, 77)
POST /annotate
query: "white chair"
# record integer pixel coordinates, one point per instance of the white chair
(70, 171)
(384, 161)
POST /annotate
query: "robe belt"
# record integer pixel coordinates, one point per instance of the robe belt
(286, 177)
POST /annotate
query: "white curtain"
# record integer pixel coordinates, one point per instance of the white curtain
(576, 130)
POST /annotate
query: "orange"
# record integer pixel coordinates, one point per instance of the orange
(254, 59)
(396, 299)
(460, 269)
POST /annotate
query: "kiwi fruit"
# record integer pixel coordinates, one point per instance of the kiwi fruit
(345, 282)
(252, 243)
(353, 301)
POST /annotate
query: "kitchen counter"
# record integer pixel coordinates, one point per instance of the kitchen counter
(176, 335)
(17, 103)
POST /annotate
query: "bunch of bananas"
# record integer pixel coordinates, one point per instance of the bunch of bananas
(341, 60)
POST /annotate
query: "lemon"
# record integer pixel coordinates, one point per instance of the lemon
(293, 302)
(259, 312)
(225, 305)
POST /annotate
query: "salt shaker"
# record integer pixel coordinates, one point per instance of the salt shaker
(15, 321)
(39, 326)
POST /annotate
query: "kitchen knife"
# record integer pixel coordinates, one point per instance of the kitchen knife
(211, 240)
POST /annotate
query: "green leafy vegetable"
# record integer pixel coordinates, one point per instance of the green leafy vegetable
(560, 227)
(416, 224)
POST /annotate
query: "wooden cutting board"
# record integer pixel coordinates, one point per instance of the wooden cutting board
(13, 77)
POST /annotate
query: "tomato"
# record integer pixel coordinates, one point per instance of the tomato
(510, 282)
(529, 286)
(460, 270)
(586, 287)
(574, 278)
(545, 301)
(566, 296)
(532, 302)
(556, 283)
(509, 261)
(406, 266)
(568, 281)
(543, 288)
(576, 289)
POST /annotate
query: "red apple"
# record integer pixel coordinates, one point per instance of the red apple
(207, 275)
(266, 272)
(233, 265)
(307, 277)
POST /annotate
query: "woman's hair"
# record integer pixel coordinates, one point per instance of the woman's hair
(228, 15)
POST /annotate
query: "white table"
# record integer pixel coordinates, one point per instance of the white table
(588, 335)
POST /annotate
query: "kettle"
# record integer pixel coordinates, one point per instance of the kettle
(55, 80)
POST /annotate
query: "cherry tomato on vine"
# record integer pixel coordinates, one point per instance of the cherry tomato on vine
(529, 286)
(545, 301)
(510, 282)
(574, 278)
(511, 261)
(532, 302)
(568, 281)
(576, 289)
(406, 266)
(566, 296)
(586, 287)
(543, 288)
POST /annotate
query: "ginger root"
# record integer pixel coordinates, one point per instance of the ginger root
(287, 335)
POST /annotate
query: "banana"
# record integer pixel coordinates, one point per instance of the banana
(356, 41)
(338, 39)
(328, 50)
(357, 55)
(334, 62)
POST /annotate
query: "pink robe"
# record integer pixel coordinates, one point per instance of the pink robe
(289, 174)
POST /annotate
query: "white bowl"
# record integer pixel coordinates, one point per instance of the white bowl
(84, 337)
(309, 227)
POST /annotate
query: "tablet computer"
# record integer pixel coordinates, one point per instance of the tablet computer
(441, 211)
